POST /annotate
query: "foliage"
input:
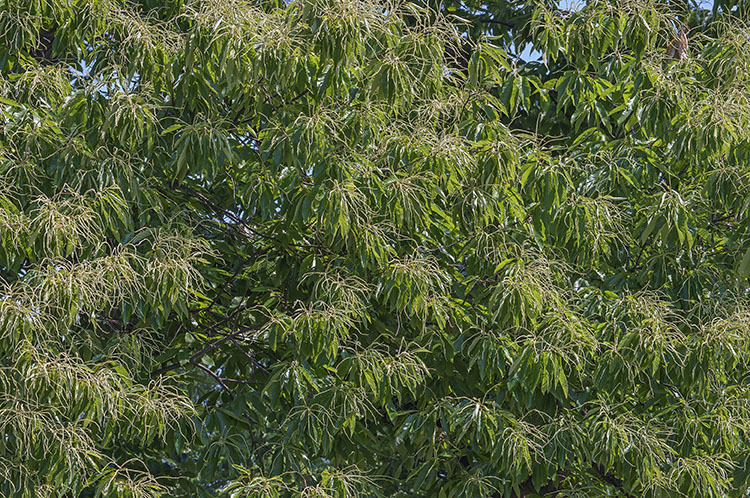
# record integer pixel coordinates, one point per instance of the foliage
(345, 248)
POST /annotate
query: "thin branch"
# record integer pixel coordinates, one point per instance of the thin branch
(489, 20)
(213, 345)
(214, 375)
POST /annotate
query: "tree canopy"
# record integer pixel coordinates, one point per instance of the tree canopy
(361, 248)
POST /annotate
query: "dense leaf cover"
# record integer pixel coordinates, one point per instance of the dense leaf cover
(353, 248)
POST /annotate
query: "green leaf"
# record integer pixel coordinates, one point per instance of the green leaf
(744, 267)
